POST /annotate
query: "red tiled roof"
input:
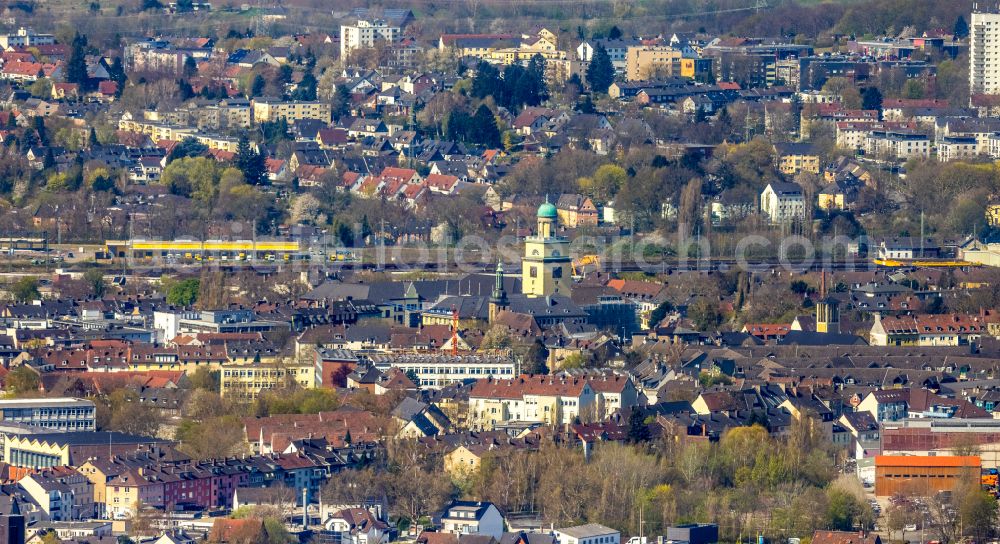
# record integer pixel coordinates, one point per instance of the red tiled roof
(442, 182)
(350, 178)
(516, 388)
(274, 165)
(767, 329)
(608, 383)
(633, 288)
(412, 191)
(332, 136)
(28, 69)
(232, 530)
(718, 401)
(279, 430)
(930, 324)
(167, 145)
(391, 172)
(13, 56)
(107, 88)
(221, 155)
(396, 380)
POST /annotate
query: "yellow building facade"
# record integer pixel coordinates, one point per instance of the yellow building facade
(247, 382)
(463, 461)
(646, 62)
(793, 164)
(993, 214)
(545, 269)
(28, 451)
(270, 110)
(830, 201)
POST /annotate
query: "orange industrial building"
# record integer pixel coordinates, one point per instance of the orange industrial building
(923, 475)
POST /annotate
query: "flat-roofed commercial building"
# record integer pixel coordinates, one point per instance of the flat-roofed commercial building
(591, 533)
(923, 475)
(943, 437)
(63, 414)
(39, 451)
(437, 370)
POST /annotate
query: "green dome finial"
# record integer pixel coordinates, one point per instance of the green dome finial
(547, 210)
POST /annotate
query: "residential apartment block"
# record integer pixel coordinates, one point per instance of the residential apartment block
(783, 202)
(928, 330)
(952, 148)
(544, 399)
(270, 110)
(796, 157)
(617, 51)
(984, 53)
(551, 400)
(247, 382)
(646, 62)
(155, 57)
(897, 144)
(366, 34)
(169, 132)
(851, 134)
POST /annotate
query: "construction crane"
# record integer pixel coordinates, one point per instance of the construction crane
(584, 261)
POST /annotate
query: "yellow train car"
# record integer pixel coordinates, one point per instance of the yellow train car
(207, 250)
(897, 263)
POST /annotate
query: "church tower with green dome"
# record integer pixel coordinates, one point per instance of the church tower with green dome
(545, 269)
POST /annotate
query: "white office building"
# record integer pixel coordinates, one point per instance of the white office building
(436, 370)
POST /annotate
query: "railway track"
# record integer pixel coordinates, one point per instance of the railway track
(652, 267)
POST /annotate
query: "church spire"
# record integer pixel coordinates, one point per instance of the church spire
(498, 301)
(498, 286)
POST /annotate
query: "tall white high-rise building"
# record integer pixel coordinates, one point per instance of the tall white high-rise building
(984, 52)
(366, 34)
